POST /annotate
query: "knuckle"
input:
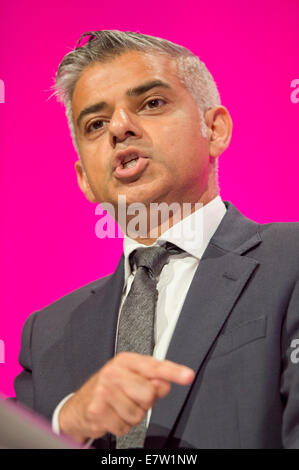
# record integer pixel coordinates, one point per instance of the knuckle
(104, 383)
(101, 390)
(115, 373)
(91, 411)
(105, 371)
(111, 373)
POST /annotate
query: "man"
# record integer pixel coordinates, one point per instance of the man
(146, 120)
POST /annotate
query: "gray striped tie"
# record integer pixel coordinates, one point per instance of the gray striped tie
(136, 323)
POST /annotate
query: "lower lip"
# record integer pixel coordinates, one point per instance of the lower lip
(136, 170)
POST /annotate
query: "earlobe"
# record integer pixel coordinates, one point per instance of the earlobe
(83, 182)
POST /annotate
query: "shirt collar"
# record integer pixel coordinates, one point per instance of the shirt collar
(192, 234)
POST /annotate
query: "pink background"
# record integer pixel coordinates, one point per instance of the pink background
(48, 243)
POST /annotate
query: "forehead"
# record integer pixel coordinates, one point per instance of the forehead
(115, 77)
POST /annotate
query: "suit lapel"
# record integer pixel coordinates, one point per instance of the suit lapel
(218, 282)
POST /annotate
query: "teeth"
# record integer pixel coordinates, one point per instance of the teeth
(130, 164)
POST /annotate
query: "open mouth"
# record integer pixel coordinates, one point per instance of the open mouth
(131, 167)
(130, 164)
(130, 161)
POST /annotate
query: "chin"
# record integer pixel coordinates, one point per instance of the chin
(143, 196)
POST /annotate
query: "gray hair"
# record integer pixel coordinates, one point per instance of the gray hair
(102, 46)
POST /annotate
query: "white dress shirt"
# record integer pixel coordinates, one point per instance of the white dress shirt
(192, 235)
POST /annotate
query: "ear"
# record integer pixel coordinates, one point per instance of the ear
(83, 182)
(220, 127)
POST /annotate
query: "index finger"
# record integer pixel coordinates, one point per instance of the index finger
(153, 368)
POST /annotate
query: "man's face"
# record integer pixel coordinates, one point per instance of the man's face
(143, 114)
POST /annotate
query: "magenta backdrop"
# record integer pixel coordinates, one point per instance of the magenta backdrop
(48, 242)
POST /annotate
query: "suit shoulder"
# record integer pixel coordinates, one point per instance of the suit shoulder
(280, 231)
(281, 239)
(57, 313)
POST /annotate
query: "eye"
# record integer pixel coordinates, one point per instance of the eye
(95, 125)
(155, 103)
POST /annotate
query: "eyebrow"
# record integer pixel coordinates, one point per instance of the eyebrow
(94, 108)
(137, 91)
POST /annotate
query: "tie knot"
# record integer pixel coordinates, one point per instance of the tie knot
(153, 258)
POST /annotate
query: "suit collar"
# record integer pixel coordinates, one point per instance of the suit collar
(236, 232)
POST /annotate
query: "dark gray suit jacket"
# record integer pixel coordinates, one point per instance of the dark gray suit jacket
(235, 330)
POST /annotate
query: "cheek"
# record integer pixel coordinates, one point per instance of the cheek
(181, 132)
(94, 159)
(167, 142)
(185, 150)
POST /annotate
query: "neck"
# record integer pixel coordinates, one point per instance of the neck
(153, 223)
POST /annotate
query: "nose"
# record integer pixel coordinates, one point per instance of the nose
(123, 125)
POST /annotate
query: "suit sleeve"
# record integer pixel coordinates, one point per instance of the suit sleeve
(290, 372)
(23, 383)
